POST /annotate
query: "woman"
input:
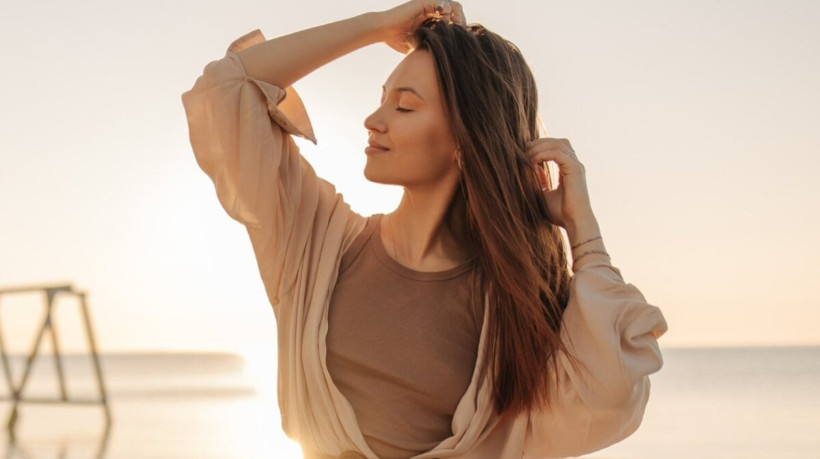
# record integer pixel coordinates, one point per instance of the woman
(450, 327)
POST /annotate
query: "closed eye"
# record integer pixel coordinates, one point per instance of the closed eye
(403, 110)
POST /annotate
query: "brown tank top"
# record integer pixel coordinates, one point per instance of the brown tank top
(401, 345)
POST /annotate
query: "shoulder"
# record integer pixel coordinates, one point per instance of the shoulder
(361, 240)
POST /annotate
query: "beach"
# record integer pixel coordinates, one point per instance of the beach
(705, 403)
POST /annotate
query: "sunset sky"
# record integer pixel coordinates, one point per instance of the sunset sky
(698, 122)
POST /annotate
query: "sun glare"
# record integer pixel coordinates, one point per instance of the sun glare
(260, 371)
(260, 368)
(288, 449)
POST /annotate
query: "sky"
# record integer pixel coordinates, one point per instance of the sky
(697, 122)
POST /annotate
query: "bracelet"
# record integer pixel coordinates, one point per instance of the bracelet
(588, 252)
(582, 243)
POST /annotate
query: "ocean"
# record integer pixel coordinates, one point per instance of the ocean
(706, 403)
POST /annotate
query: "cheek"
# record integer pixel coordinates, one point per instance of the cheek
(423, 151)
(426, 140)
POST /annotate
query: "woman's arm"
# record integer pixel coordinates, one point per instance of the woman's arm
(568, 202)
(608, 327)
(284, 60)
(241, 115)
(600, 398)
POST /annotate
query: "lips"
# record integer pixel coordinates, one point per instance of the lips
(374, 148)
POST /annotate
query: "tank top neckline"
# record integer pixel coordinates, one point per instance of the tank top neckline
(381, 254)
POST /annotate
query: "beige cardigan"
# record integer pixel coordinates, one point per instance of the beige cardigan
(240, 131)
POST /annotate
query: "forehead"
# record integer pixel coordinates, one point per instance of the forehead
(415, 71)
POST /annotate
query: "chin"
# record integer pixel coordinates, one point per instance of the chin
(381, 177)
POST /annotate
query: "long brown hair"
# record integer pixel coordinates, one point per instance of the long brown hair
(492, 105)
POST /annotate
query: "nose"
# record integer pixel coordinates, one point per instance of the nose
(375, 122)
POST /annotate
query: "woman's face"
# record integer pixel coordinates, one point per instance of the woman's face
(410, 142)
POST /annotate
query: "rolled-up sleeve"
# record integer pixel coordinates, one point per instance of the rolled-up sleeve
(241, 132)
(600, 399)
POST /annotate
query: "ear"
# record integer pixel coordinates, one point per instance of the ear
(457, 156)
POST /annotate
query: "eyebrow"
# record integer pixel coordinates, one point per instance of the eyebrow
(406, 89)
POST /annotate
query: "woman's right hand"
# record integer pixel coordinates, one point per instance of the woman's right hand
(400, 23)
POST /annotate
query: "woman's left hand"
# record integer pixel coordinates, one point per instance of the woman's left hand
(400, 22)
(568, 201)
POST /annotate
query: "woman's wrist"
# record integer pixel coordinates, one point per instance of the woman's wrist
(583, 229)
(585, 240)
(374, 26)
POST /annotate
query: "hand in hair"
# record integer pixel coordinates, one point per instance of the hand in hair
(400, 23)
(568, 200)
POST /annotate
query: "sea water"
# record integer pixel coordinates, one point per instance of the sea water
(731, 403)
(705, 403)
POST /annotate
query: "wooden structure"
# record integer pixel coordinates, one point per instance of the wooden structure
(50, 293)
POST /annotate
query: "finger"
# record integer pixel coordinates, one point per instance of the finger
(559, 144)
(567, 165)
(433, 9)
(450, 11)
(543, 176)
(457, 14)
(555, 150)
(443, 7)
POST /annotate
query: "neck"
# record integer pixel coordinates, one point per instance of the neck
(427, 230)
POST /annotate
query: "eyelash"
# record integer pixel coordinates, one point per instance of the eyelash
(398, 108)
